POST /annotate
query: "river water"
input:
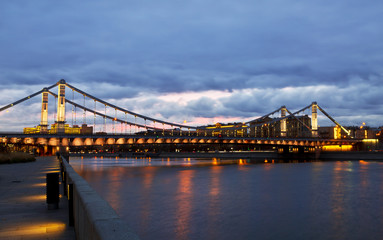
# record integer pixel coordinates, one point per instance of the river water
(233, 199)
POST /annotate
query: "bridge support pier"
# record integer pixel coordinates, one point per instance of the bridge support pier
(285, 150)
(318, 151)
(301, 150)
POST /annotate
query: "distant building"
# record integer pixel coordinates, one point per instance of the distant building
(366, 134)
(32, 130)
(67, 129)
(295, 127)
(75, 129)
(86, 130)
(330, 132)
(299, 126)
(220, 129)
(265, 128)
(363, 132)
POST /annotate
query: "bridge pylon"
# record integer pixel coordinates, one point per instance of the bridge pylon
(61, 107)
(314, 119)
(283, 121)
(44, 112)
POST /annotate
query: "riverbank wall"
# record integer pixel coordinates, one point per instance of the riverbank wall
(93, 217)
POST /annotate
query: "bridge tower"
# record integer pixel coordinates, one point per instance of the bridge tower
(283, 121)
(61, 107)
(44, 112)
(314, 119)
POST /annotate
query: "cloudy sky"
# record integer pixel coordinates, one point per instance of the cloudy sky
(197, 60)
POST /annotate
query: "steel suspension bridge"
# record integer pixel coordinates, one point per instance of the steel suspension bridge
(287, 129)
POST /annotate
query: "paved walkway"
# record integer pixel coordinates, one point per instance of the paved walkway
(23, 208)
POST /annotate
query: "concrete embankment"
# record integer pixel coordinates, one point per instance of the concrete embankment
(94, 218)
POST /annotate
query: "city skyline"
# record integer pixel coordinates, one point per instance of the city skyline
(200, 61)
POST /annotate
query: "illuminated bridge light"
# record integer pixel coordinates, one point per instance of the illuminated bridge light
(337, 148)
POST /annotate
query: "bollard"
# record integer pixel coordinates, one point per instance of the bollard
(70, 204)
(53, 190)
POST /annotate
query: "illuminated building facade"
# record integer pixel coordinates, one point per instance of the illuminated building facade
(330, 132)
(225, 130)
(75, 129)
(263, 128)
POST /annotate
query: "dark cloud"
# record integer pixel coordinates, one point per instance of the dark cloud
(266, 53)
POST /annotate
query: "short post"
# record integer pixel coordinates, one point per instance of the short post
(53, 190)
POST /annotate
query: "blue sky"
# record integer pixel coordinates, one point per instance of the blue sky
(198, 59)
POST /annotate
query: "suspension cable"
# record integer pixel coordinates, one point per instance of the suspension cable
(75, 115)
(105, 120)
(126, 125)
(54, 115)
(72, 106)
(28, 97)
(84, 113)
(124, 110)
(135, 124)
(348, 132)
(94, 119)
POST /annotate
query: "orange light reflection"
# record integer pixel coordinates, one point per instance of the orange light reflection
(33, 198)
(39, 185)
(32, 229)
(184, 202)
(242, 162)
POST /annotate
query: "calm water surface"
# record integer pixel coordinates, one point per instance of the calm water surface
(202, 199)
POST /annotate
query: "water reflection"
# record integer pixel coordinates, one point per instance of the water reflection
(184, 201)
(338, 198)
(114, 187)
(242, 162)
(146, 196)
(209, 199)
(98, 163)
(214, 210)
